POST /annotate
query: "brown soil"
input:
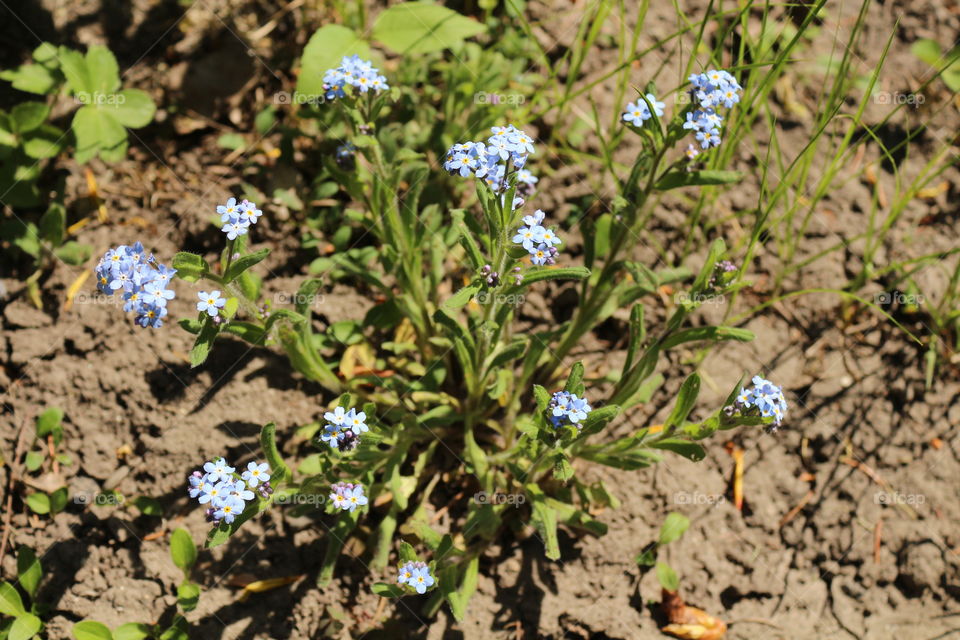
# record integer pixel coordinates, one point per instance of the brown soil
(860, 411)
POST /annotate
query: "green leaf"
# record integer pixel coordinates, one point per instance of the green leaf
(689, 450)
(27, 116)
(49, 422)
(562, 470)
(39, 503)
(279, 471)
(74, 68)
(554, 273)
(407, 552)
(598, 419)
(10, 602)
(148, 506)
(104, 73)
(183, 551)
(58, 500)
(90, 630)
(25, 627)
(927, 50)
(32, 78)
(203, 343)
(575, 379)
(132, 108)
(73, 253)
(189, 266)
(677, 179)
(686, 398)
(545, 520)
(713, 334)
(422, 27)
(243, 263)
(45, 141)
(132, 631)
(33, 460)
(385, 590)
(461, 297)
(667, 577)
(188, 594)
(324, 51)
(96, 131)
(673, 527)
(29, 571)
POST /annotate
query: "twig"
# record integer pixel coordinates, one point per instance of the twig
(793, 512)
(8, 506)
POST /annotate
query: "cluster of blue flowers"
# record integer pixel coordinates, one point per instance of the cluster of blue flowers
(711, 90)
(638, 112)
(507, 149)
(224, 492)
(540, 242)
(359, 74)
(566, 408)
(344, 428)
(416, 575)
(237, 217)
(346, 496)
(139, 279)
(764, 397)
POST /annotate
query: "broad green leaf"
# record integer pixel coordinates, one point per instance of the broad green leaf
(96, 131)
(545, 520)
(25, 627)
(189, 266)
(39, 503)
(91, 630)
(148, 506)
(132, 631)
(188, 594)
(204, 342)
(928, 51)
(58, 500)
(33, 460)
(29, 571)
(52, 228)
(27, 116)
(75, 70)
(49, 421)
(667, 577)
(422, 27)
(673, 527)
(461, 297)
(182, 550)
(43, 142)
(677, 179)
(103, 71)
(327, 46)
(73, 253)
(10, 602)
(132, 108)
(32, 78)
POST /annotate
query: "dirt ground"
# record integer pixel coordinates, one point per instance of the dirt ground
(849, 528)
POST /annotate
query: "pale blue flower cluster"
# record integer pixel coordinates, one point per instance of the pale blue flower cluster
(346, 496)
(415, 575)
(357, 73)
(764, 397)
(539, 241)
(710, 91)
(492, 161)
(139, 279)
(237, 217)
(638, 112)
(566, 408)
(344, 428)
(224, 493)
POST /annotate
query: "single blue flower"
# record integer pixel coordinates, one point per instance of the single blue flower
(256, 474)
(229, 509)
(218, 470)
(211, 302)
